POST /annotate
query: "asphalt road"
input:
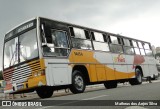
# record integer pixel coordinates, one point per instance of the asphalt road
(96, 97)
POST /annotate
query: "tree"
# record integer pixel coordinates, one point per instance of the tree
(1, 76)
(157, 55)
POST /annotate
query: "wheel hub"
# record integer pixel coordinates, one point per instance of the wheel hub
(139, 77)
(79, 82)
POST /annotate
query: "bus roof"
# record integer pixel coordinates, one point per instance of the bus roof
(92, 29)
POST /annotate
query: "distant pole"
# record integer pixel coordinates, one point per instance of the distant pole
(153, 49)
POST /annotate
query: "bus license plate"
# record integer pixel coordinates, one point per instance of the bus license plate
(19, 87)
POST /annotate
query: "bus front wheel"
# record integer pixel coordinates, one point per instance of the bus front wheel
(44, 91)
(78, 83)
(138, 78)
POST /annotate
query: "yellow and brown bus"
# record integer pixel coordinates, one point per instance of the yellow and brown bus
(44, 55)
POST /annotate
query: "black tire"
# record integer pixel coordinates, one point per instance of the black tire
(44, 91)
(110, 84)
(78, 83)
(154, 77)
(138, 79)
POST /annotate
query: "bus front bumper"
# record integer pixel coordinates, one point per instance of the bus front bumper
(32, 83)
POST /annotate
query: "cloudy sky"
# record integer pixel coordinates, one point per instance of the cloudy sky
(134, 18)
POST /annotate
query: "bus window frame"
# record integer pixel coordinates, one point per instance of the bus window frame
(119, 40)
(130, 45)
(75, 34)
(73, 37)
(150, 49)
(68, 44)
(97, 36)
(95, 41)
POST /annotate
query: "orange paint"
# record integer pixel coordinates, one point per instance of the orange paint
(97, 71)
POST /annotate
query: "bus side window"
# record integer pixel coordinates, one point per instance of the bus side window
(87, 34)
(79, 33)
(140, 45)
(141, 48)
(109, 39)
(105, 37)
(128, 50)
(81, 39)
(148, 50)
(127, 46)
(93, 37)
(71, 31)
(137, 51)
(48, 35)
(99, 42)
(146, 46)
(98, 36)
(126, 42)
(134, 43)
(115, 45)
(142, 51)
(130, 41)
(114, 40)
(58, 45)
(119, 40)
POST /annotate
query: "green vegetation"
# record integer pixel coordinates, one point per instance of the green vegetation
(157, 54)
(1, 76)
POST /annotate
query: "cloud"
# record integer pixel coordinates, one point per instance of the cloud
(129, 17)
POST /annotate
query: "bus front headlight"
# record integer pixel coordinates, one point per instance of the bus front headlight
(35, 74)
(39, 73)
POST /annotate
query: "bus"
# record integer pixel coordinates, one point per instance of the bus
(45, 55)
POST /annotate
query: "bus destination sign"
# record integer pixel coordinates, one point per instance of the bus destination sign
(20, 29)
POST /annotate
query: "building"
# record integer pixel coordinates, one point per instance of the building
(157, 49)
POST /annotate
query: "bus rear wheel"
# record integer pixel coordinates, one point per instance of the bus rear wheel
(44, 91)
(78, 83)
(110, 84)
(138, 79)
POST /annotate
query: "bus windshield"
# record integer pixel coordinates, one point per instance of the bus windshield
(21, 48)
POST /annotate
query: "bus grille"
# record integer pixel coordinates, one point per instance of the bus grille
(21, 73)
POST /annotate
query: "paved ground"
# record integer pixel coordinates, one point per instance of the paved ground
(146, 91)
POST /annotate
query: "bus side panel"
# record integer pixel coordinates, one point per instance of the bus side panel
(130, 66)
(92, 73)
(120, 66)
(84, 57)
(106, 60)
(110, 72)
(101, 73)
(103, 65)
(58, 72)
(152, 66)
(145, 67)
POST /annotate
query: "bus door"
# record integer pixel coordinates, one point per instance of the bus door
(56, 50)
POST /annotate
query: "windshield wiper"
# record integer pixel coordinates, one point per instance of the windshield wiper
(20, 53)
(14, 53)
